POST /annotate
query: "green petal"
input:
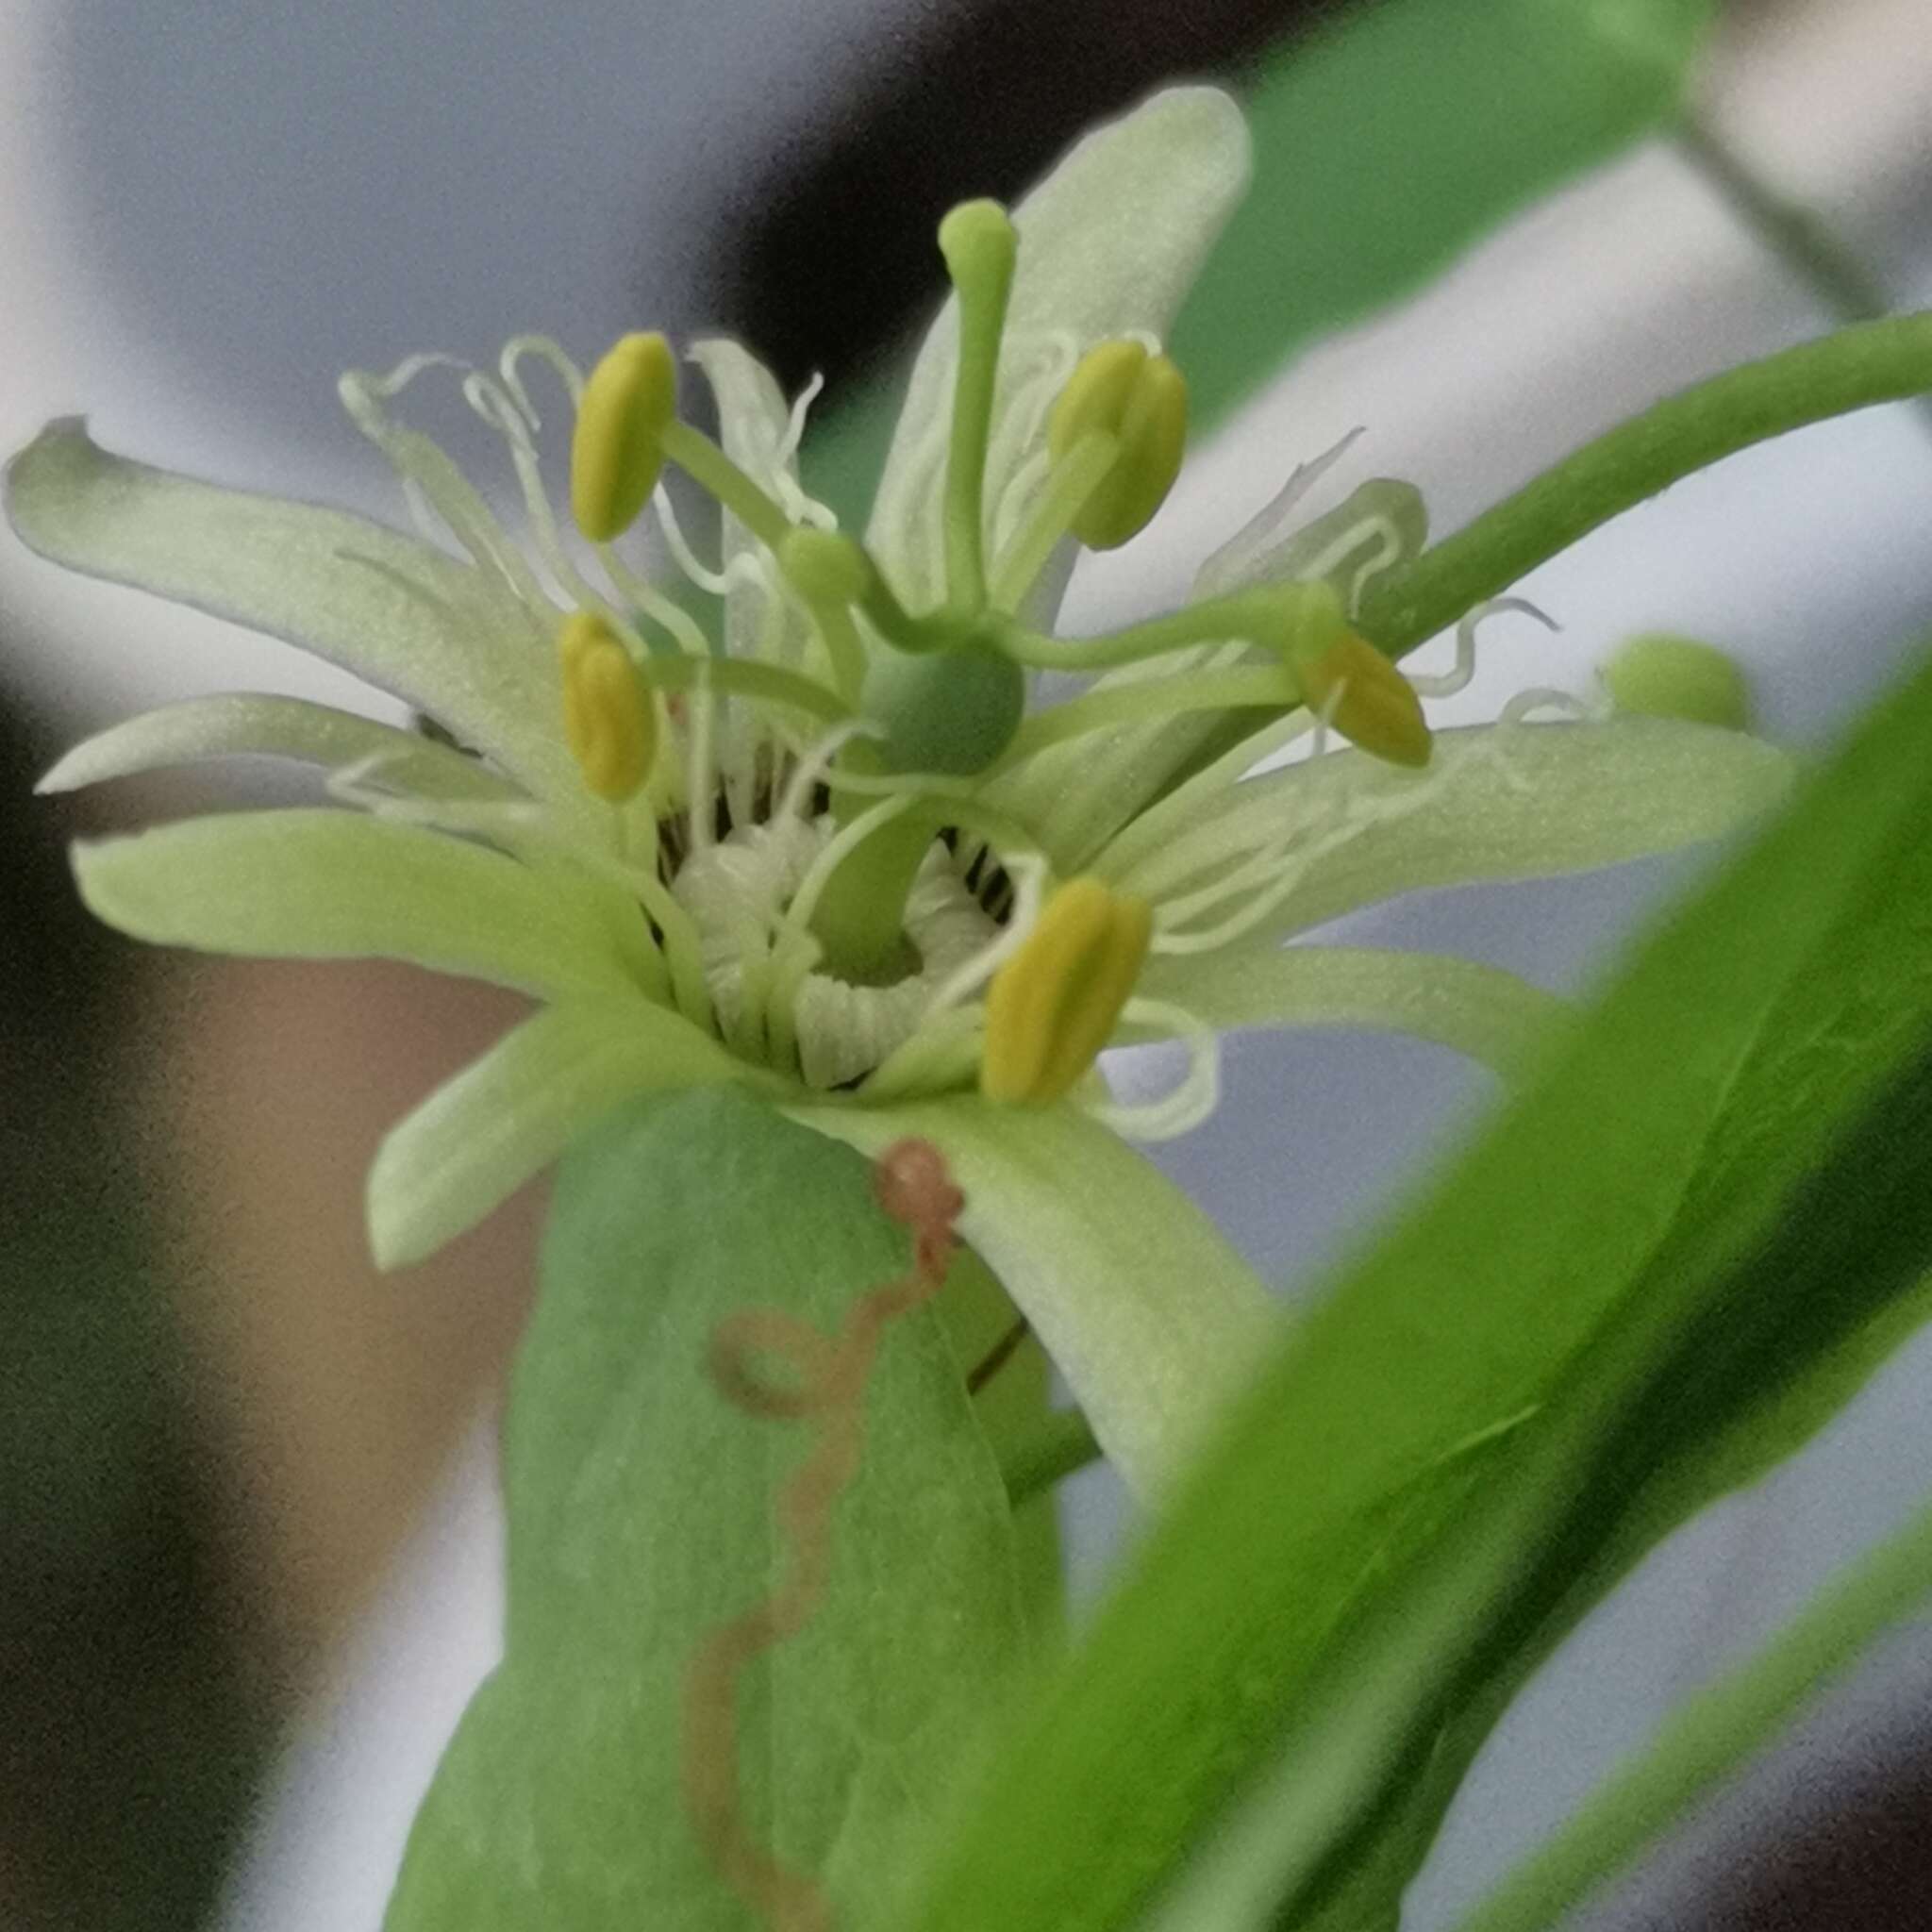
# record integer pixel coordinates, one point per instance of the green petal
(1150, 1315)
(239, 725)
(508, 1115)
(408, 618)
(1497, 802)
(1491, 1015)
(1109, 243)
(335, 885)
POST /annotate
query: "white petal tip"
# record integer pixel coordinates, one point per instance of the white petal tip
(66, 773)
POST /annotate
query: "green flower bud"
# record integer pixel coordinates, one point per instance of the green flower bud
(1662, 676)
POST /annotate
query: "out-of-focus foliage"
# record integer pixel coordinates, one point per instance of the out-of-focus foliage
(127, 1741)
(1385, 144)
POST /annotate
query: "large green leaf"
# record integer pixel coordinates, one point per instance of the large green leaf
(1607, 1306)
(642, 1517)
(1383, 146)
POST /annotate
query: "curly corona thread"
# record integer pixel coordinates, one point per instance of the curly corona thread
(826, 1388)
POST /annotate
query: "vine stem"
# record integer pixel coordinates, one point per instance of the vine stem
(1868, 363)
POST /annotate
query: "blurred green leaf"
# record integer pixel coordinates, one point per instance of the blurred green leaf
(1387, 144)
(1649, 1277)
(1384, 145)
(1714, 1733)
(641, 1508)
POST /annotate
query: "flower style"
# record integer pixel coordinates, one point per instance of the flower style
(821, 846)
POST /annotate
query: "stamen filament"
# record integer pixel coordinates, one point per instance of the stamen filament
(671, 617)
(747, 677)
(707, 466)
(845, 648)
(1072, 481)
(899, 627)
(1254, 614)
(1255, 687)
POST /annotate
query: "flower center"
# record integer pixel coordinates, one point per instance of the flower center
(738, 893)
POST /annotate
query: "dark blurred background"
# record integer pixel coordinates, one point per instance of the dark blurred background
(241, 1593)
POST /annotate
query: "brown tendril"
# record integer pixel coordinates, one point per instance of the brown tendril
(825, 1384)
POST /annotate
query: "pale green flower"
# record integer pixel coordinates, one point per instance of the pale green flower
(724, 919)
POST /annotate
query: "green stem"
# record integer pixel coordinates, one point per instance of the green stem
(1062, 1443)
(1872, 362)
(1713, 1735)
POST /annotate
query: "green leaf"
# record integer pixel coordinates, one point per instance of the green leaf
(1383, 146)
(642, 1519)
(1387, 143)
(335, 885)
(409, 619)
(1476, 1415)
(1148, 1313)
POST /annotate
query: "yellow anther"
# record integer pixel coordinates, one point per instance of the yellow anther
(1343, 679)
(1054, 1004)
(1660, 677)
(1118, 390)
(617, 451)
(609, 717)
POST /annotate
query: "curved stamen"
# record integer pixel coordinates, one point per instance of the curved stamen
(1190, 1100)
(1457, 678)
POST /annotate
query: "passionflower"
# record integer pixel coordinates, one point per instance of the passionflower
(798, 818)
